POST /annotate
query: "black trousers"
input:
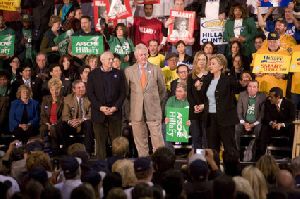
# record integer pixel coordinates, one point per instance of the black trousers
(86, 130)
(22, 135)
(216, 134)
(267, 132)
(109, 129)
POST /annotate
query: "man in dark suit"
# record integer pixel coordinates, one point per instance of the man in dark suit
(76, 115)
(27, 79)
(106, 91)
(250, 109)
(278, 119)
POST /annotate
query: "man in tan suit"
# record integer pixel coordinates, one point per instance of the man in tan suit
(146, 88)
(76, 115)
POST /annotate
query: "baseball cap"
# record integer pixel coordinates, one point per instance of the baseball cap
(273, 36)
(69, 164)
(142, 164)
(198, 169)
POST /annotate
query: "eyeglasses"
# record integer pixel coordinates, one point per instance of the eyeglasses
(182, 72)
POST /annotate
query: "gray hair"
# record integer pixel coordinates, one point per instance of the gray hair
(105, 55)
(140, 47)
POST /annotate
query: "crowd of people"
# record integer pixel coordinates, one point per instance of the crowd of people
(116, 103)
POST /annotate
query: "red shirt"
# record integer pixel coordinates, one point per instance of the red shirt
(146, 30)
(53, 116)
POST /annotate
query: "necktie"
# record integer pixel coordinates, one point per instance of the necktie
(143, 78)
(80, 112)
(277, 107)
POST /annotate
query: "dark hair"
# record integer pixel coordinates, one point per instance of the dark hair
(86, 17)
(117, 56)
(210, 43)
(51, 192)
(277, 91)
(153, 40)
(238, 43)
(163, 159)
(68, 57)
(277, 194)
(182, 65)
(148, 4)
(172, 183)
(4, 74)
(111, 180)
(234, 6)
(142, 190)
(81, 69)
(223, 187)
(179, 42)
(232, 166)
(54, 66)
(262, 36)
(4, 187)
(122, 25)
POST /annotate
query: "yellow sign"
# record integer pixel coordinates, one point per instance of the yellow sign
(11, 5)
(271, 63)
(295, 63)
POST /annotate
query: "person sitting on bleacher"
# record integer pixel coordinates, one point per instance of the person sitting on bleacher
(250, 109)
(278, 118)
(4, 100)
(76, 115)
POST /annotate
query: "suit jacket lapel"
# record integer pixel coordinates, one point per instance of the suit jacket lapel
(245, 101)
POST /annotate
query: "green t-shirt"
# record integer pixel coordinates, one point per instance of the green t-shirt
(122, 47)
(175, 103)
(250, 115)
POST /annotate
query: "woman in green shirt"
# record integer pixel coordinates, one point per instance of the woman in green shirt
(120, 44)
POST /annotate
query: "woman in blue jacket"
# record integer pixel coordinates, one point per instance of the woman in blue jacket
(24, 115)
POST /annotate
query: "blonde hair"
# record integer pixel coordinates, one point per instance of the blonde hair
(90, 57)
(23, 87)
(221, 59)
(256, 180)
(75, 147)
(38, 159)
(195, 61)
(125, 168)
(54, 82)
(243, 185)
(268, 166)
(120, 146)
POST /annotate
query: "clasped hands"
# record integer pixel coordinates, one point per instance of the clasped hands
(276, 125)
(108, 110)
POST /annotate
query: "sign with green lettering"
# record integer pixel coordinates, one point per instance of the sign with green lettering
(7, 44)
(87, 45)
(177, 129)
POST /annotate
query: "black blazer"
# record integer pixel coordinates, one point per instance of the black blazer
(173, 88)
(96, 92)
(286, 114)
(194, 97)
(225, 99)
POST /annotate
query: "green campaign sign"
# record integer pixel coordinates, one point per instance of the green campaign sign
(177, 129)
(87, 45)
(7, 44)
(62, 41)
